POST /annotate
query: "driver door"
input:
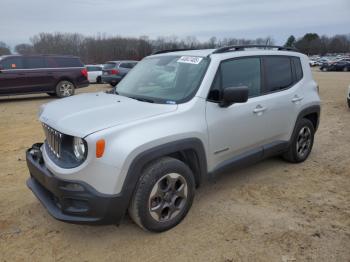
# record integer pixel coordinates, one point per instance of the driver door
(237, 130)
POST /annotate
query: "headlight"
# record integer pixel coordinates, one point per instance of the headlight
(79, 148)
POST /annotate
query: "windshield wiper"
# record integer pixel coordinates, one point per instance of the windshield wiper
(142, 99)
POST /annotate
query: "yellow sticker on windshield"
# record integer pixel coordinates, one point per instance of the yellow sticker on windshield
(190, 60)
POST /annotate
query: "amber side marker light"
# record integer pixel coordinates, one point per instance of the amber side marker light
(100, 148)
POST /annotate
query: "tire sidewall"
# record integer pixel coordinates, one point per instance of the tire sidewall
(302, 123)
(169, 166)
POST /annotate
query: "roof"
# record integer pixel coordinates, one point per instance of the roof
(122, 61)
(228, 49)
(36, 55)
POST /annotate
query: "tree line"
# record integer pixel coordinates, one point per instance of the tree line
(313, 44)
(101, 48)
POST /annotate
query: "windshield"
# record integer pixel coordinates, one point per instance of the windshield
(164, 79)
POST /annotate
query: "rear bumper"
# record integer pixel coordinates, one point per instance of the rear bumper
(111, 79)
(71, 201)
(83, 84)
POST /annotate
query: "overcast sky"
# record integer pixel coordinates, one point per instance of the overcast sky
(21, 19)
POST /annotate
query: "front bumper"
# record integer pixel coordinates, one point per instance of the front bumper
(71, 201)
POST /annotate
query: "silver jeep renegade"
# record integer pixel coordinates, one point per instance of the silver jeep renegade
(176, 119)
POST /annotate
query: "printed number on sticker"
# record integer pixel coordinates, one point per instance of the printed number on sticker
(190, 60)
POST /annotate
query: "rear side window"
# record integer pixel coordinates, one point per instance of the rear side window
(54, 62)
(242, 72)
(278, 73)
(12, 63)
(297, 68)
(34, 62)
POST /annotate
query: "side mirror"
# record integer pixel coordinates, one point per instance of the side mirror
(234, 95)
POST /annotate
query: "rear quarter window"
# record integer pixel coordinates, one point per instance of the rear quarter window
(297, 68)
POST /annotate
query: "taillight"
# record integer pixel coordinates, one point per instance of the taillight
(114, 72)
(84, 72)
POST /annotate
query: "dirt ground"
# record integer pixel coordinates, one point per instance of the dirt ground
(272, 211)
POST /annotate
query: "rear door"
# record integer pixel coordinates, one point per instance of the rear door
(283, 95)
(12, 76)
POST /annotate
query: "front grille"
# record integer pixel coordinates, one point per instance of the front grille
(53, 140)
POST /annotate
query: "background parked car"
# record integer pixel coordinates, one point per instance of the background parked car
(94, 73)
(341, 65)
(312, 63)
(114, 71)
(55, 75)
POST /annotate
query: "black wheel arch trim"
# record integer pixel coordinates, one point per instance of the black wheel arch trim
(139, 162)
(307, 111)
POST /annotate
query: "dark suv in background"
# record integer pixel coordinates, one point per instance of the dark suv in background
(114, 71)
(52, 74)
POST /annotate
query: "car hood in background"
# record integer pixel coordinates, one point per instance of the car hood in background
(84, 114)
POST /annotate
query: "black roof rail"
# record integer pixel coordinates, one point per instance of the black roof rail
(172, 50)
(243, 47)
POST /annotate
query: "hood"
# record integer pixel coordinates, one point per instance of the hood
(84, 114)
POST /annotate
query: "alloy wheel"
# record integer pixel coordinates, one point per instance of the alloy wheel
(303, 142)
(66, 89)
(168, 197)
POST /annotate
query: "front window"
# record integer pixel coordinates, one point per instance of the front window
(164, 79)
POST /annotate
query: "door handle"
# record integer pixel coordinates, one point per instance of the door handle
(259, 109)
(297, 98)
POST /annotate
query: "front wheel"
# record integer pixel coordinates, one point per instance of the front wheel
(346, 69)
(163, 196)
(302, 142)
(65, 88)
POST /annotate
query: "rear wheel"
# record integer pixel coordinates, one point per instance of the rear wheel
(163, 196)
(302, 142)
(346, 69)
(65, 88)
(113, 84)
(348, 102)
(98, 80)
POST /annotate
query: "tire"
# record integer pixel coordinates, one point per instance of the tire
(345, 69)
(98, 80)
(113, 84)
(65, 88)
(324, 69)
(348, 102)
(302, 142)
(163, 195)
(52, 94)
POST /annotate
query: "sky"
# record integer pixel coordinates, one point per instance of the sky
(21, 19)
